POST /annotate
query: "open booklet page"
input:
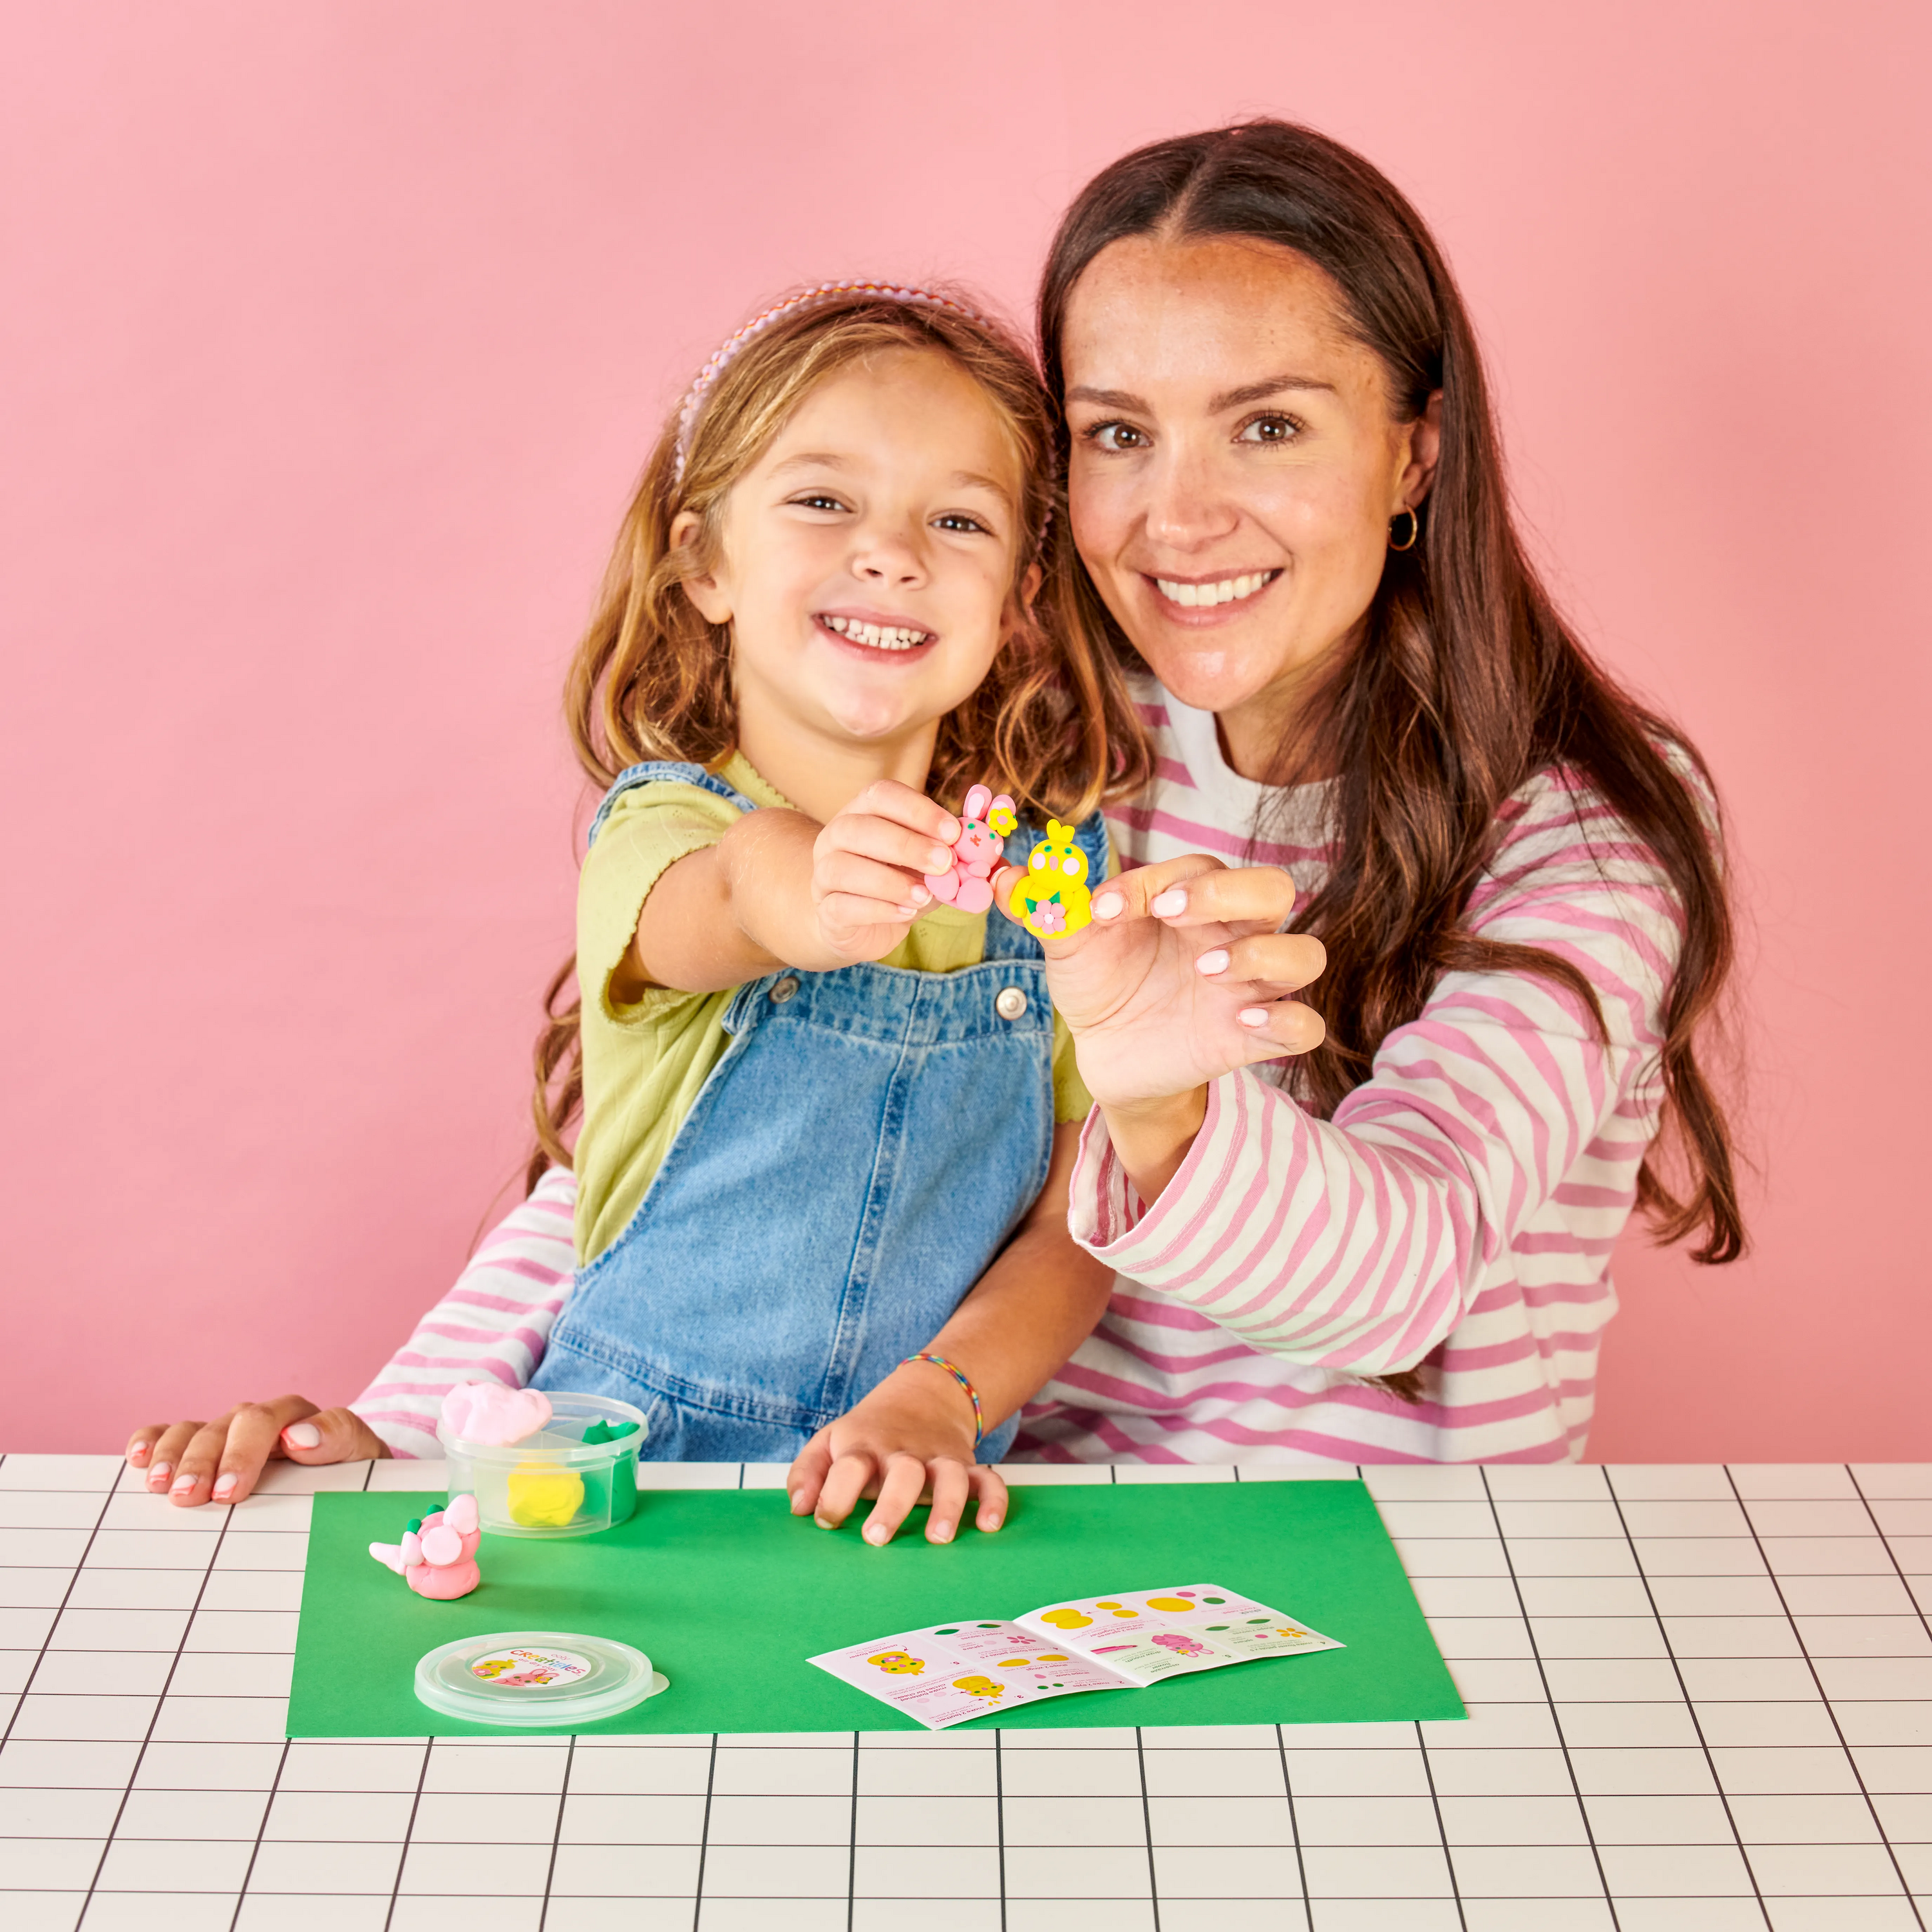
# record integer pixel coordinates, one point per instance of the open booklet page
(950, 1672)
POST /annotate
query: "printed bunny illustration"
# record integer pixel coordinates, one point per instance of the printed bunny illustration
(1051, 896)
(1181, 1645)
(437, 1556)
(968, 883)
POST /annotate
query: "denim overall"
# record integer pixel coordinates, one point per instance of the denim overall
(864, 1147)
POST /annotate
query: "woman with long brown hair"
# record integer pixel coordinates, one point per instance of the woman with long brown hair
(1288, 498)
(1377, 1225)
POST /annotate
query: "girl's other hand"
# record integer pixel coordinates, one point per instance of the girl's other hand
(1182, 976)
(221, 1461)
(869, 866)
(910, 1441)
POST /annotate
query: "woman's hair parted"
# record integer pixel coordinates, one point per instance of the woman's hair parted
(1465, 682)
(651, 678)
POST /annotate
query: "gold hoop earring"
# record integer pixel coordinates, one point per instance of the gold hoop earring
(1414, 529)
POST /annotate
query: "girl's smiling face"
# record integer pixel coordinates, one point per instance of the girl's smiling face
(869, 560)
(1235, 461)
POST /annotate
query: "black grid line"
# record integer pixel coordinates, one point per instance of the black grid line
(1543, 1677)
(60, 1611)
(1837, 1728)
(1690, 1704)
(1442, 1831)
(1147, 1827)
(261, 1828)
(557, 1836)
(1890, 1554)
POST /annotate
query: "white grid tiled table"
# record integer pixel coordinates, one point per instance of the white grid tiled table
(1699, 1699)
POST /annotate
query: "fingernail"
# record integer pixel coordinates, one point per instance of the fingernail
(302, 1435)
(224, 1486)
(824, 1522)
(920, 896)
(1253, 1016)
(1215, 962)
(939, 1532)
(1108, 906)
(1172, 900)
(875, 1533)
(938, 858)
(991, 1522)
(184, 1487)
(799, 1505)
(157, 1476)
(138, 1452)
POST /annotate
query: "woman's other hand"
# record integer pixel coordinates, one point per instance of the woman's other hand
(221, 1461)
(1182, 976)
(910, 1440)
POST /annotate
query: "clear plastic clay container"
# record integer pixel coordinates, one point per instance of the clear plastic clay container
(552, 1484)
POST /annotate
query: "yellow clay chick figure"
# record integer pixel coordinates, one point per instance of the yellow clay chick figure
(1052, 895)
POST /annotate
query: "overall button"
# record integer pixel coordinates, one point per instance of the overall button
(1011, 1003)
(786, 987)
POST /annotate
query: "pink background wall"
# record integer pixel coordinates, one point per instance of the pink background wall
(332, 335)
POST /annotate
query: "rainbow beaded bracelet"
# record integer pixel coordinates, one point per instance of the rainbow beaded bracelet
(960, 1376)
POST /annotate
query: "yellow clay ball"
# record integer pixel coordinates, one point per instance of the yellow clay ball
(542, 1496)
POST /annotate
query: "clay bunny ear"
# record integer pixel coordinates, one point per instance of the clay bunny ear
(977, 799)
(461, 1515)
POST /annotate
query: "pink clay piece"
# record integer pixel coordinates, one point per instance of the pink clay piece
(967, 883)
(489, 1414)
(443, 1582)
(439, 1559)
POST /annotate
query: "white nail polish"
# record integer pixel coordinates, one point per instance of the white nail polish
(302, 1435)
(224, 1487)
(1254, 1016)
(1173, 900)
(1108, 906)
(1211, 963)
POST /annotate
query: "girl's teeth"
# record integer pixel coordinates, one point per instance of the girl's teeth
(878, 636)
(1227, 590)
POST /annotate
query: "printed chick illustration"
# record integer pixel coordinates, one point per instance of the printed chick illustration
(1051, 896)
(899, 1663)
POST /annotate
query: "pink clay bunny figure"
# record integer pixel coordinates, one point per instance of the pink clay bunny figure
(437, 1556)
(968, 884)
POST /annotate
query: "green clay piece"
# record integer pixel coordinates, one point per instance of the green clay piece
(415, 1525)
(599, 1431)
(619, 1430)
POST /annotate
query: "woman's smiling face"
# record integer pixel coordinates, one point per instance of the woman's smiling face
(1235, 461)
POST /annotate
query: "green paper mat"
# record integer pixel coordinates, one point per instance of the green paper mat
(729, 1593)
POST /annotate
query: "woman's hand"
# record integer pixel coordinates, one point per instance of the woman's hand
(221, 1461)
(1182, 977)
(910, 1440)
(869, 867)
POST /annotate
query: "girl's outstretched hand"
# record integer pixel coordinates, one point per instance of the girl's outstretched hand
(868, 869)
(910, 1440)
(1182, 976)
(221, 1461)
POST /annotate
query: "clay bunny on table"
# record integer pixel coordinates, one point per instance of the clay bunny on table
(437, 1556)
(986, 821)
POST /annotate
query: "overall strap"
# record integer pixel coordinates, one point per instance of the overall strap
(663, 772)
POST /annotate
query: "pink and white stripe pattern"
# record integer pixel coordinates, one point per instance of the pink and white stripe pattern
(492, 1325)
(1459, 1211)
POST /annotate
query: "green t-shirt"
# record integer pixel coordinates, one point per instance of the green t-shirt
(643, 1063)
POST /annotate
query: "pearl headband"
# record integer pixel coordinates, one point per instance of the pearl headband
(694, 400)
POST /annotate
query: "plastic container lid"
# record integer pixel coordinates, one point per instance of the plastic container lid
(552, 1678)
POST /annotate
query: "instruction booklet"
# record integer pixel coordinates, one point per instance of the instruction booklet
(952, 1671)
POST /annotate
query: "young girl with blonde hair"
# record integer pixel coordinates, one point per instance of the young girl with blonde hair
(827, 1120)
